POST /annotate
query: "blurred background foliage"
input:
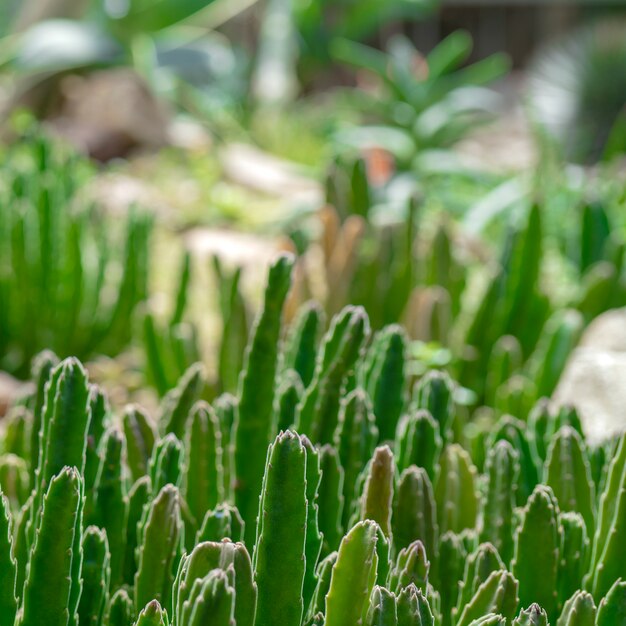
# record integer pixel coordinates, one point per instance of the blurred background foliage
(414, 153)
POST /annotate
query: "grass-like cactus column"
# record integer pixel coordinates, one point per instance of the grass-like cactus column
(253, 423)
(330, 499)
(353, 576)
(152, 615)
(65, 423)
(141, 434)
(96, 574)
(455, 490)
(279, 555)
(48, 587)
(607, 558)
(382, 610)
(502, 469)
(479, 566)
(159, 547)
(413, 608)
(612, 608)
(536, 559)
(415, 512)
(111, 500)
(498, 594)
(177, 404)
(301, 344)
(43, 365)
(568, 473)
(579, 610)
(383, 378)
(418, 442)
(318, 412)
(355, 440)
(204, 480)
(378, 491)
(121, 611)
(534, 615)
(8, 567)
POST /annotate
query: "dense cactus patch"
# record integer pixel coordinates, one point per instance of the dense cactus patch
(333, 490)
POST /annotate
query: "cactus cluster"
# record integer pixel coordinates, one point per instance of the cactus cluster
(70, 275)
(334, 489)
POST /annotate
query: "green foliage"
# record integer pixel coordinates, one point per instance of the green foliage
(71, 276)
(411, 519)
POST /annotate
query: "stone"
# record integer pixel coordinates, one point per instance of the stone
(594, 379)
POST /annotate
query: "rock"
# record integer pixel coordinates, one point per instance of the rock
(255, 169)
(594, 379)
(110, 113)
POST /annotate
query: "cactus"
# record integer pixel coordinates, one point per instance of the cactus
(330, 499)
(612, 608)
(140, 434)
(382, 610)
(413, 608)
(353, 576)
(324, 573)
(111, 500)
(214, 581)
(98, 424)
(177, 404)
(606, 563)
(282, 529)
(490, 620)
(355, 440)
(418, 442)
(502, 469)
(559, 338)
(121, 611)
(301, 344)
(514, 431)
(42, 367)
(314, 538)
(574, 554)
(534, 615)
(152, 615)
(455, 490)
(579, 610)
(65, 422)
(411, 567)
(415, 512)
(234, 316)
(382, 376)
(204, 480)
(452, 554)
(160, 535)
(288, 396)
(318, 411)
(96, 574)
(378, 490)
(50, 585)
(138, 497)
(8, 568)
(498, 594)
(166, 463)
(256, 395)
(536, 558)
(505, 361)
(225, 407)
(568, 473)
(435, 394)
(479, 566)
(224, 522)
